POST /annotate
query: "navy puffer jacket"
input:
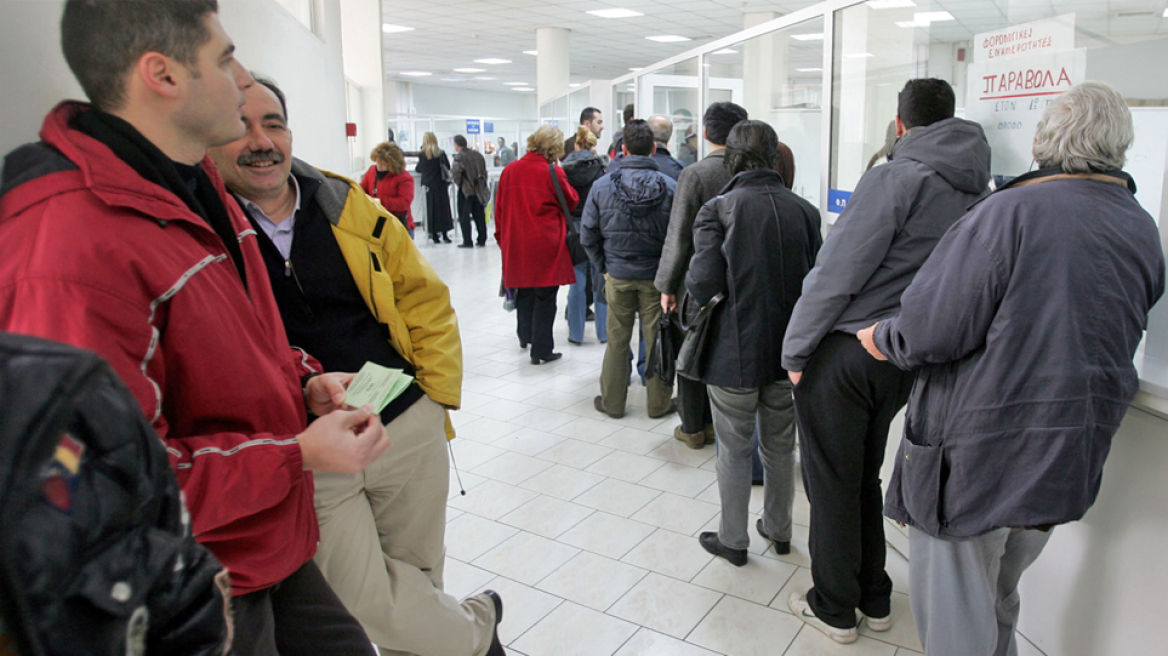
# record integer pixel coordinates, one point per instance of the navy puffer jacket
(626, 219)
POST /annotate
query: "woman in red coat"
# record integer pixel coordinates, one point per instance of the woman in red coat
(530, 228)
(388, 182)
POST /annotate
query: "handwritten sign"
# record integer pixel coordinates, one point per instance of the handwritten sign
(1038, 38)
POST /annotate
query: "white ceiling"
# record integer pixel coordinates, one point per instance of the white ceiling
(452, 34)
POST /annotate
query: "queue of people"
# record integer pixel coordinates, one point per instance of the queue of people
(235, 290)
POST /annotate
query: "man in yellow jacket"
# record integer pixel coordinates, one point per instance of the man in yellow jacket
(352, 288)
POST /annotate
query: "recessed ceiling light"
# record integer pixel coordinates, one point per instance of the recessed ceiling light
(668, 38)
(635, 68)
(574, 84)
(724, 51)
(480, 77)
(451, 79)
(615, 13)
(469, 70)
(858, 55)
(522, 89)
(1165, 13)
(890, 4)
(416, 73)
(391, 29)
(808, 37)
(926, 18)
(533, 53)
(514, 84)
(492, 60)
(809, 70)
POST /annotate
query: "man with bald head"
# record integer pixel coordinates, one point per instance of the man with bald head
(352, 288)
(662, 129)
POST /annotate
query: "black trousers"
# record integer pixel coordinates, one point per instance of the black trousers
(693, 405)
(535, 310)
(471, 208)
(299, 616)
(844, 405)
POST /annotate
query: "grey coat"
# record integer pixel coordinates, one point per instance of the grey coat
(891, 224)
(698, 183)
(1021, 327)
(469, 173)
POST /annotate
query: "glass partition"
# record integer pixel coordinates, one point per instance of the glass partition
(1006, 61)
(778, 78)
(577, 102)
(673, 92)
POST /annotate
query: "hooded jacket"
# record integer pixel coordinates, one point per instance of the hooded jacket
(1022, 327)
(893, 221)
(93, 255)
(755, 242)
(626, 218)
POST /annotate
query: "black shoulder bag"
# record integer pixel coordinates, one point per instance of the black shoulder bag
(572, 237)
(695, 346)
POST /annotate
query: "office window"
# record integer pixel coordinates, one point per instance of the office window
(673, 92)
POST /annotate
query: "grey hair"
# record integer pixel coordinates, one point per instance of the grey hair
(662, 128)
(1088, 128)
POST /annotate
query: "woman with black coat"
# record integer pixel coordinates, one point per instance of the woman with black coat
(754, 243)
(434, 167)
(583, 167)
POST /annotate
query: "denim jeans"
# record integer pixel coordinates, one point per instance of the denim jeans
(577, 308)
(736, 414)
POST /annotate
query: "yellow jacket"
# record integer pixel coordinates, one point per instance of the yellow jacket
(400, 287)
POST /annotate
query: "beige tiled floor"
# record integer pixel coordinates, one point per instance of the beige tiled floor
(587, 525)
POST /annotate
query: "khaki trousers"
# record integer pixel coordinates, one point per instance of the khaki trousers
(382, 549)
(625, 297)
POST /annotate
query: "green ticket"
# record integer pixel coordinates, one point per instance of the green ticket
(376, 385)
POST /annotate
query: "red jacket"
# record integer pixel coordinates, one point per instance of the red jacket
(530, 226)
(396, 193)
(93, 255)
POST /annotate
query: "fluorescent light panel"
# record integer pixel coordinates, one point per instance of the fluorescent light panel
(1165, 13)
(492, 60)
(668, 38)
(809, 70)
(533, 53)
(514, 84)
(416, 73)
(469, 70)
(925, 19)
(393, 29)
(574, 84)
(480, 77)
(858, 55)
(724, 51)
(615, 13)
(808, 37)
(890, 4)
(635, 68)
(522, 89)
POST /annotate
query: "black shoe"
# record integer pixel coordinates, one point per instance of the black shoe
(496, 648)
(590, 316)
(710, 542)
(668, 411)
(446, 239)
(781, 548)
(482, 243)
(575, 343)
(463, 245)
(756, 481)
(522, 344)
(598, 403)
(551, 358)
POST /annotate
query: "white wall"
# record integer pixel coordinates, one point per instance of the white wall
(34, 76)
(361, 36)
(430, 99)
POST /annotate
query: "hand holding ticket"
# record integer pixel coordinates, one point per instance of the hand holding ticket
(376, 385)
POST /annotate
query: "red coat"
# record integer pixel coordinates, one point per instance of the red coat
(93, 255)
(530, 226)
(396, 193)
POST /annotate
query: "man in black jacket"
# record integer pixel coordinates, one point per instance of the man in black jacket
(844, 400)
(625, 220)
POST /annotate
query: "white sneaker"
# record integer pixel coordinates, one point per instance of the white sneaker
(797, 602)
(878, 624)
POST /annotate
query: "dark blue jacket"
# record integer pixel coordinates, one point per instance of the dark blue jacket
(626, 218)
(1022, 326)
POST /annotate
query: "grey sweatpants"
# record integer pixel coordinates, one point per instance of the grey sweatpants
(735, 413)
(964, 595)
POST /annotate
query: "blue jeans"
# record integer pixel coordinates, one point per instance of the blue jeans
(577, 307)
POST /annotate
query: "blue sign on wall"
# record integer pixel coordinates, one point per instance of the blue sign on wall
(837, 200)
(489, 128)
(472, 126)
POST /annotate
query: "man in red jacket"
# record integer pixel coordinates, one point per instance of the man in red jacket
(116, 235)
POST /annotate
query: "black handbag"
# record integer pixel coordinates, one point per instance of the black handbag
(695, 347)
(572, 237)
(663, 356)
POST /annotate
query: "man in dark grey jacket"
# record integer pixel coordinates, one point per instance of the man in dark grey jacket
(469, 172)
(698, 183)
(844, 400)
(623, 230)
(1022, 327)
